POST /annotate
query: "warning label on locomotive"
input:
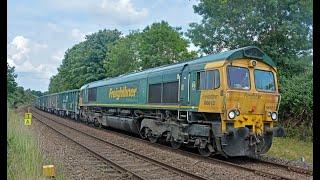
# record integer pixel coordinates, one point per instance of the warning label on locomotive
(122, 92)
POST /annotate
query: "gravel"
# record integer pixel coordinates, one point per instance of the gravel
(299, 164)
(74, 161)
(210, 170)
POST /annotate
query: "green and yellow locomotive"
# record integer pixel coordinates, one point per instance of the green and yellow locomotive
(225, 103)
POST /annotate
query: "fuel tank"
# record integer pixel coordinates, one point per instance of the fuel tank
(122, 123)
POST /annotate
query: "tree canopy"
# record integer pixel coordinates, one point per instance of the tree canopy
(162, 44)
(11, 83)
(106, 54)
(282, 28)
(123, 56)
(16, 93)
(83, 63)
(156, 45)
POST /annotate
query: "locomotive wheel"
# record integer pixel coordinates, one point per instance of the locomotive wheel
(97, 123)
(142, 133)
(175, 144)
(87, 120)
(153, 139)
(204, 151)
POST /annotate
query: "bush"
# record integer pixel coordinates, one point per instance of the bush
(296, 108)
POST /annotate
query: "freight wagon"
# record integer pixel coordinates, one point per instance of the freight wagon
(63, 103)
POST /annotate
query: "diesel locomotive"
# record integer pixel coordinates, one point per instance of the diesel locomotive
(224, 103)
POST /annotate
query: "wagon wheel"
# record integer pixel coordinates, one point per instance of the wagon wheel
(175, 144)
(76, 117)
(204, 151)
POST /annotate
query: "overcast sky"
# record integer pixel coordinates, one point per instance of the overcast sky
(40, 31)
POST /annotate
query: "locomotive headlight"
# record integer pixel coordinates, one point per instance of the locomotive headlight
(274, 116)
(232, 114)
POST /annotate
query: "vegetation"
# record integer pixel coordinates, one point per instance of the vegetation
(292, 149)
(24, 157)
(297, 106)
(162, 44)
(11, 83)
(122, 57)
(158, 44)
(106, 54)
(283, 29)
(83, 63)
(16, 95)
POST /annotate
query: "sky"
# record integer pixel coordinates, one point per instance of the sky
(40, 31)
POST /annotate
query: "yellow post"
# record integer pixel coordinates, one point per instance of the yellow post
(28, 118)
(48, 171)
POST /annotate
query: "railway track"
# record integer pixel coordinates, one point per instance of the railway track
(257, 171)
(110, 163)
(127, 161)
(288, 167)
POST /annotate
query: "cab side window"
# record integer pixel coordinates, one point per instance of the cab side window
(201, 80)
(216, 79)
(208, 80)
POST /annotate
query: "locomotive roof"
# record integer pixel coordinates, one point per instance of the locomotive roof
(245, 52)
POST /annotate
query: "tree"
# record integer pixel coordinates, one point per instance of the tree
(34, 92)
(158, 44)
(123, 56)
(83, 63)
(11, 83)
(16, 94)
(282, 28)
(163, 44)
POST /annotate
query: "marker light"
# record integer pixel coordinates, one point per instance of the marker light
(274, 116)
(237, 112)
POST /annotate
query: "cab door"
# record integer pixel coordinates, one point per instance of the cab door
(184, 92)
(194, 89)
(211, 97)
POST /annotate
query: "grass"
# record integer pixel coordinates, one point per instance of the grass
(24, 158)
(292, 149)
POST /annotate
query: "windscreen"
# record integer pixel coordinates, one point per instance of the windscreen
(264, 80)
(238, 78)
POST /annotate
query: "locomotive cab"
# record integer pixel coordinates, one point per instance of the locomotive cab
(250, 108)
